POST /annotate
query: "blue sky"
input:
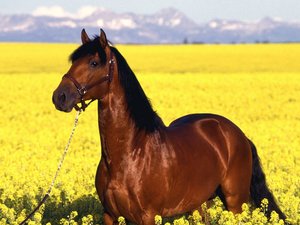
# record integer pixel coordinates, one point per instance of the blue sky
(198, 10)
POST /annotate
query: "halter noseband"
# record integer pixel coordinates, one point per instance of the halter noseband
(82, 90)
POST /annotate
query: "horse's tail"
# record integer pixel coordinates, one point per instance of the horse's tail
(259, 189)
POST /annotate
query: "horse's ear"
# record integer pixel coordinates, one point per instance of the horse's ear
(103, 40)
(84, 37)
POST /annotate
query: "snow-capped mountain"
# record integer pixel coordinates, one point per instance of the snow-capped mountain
(166, 26)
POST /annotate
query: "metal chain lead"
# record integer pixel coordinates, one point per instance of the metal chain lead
(47, 195)
(65, 151)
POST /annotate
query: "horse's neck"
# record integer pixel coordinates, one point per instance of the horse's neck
(116, 128)
(119, 128)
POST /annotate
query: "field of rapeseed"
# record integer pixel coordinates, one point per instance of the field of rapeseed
(256, 86)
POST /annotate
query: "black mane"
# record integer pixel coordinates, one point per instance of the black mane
(138, 105)
(89, 48)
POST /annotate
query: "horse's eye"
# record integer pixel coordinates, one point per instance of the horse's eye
(93, 64)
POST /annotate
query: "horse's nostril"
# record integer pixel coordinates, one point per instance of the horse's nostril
(62, 97)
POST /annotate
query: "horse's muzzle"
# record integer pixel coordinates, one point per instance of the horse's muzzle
(64, 99)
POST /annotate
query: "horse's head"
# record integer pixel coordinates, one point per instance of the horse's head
(89, 75)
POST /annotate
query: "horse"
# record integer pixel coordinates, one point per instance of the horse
(148, 168)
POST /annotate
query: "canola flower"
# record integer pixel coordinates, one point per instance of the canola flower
(256, 86)
(224, 217)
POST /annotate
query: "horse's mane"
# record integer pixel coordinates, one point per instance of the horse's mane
(89, 48)
(138, 105)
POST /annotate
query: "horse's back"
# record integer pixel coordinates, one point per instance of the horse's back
(191, 118)
(215, 135)
(219, 148)
(201, 135)
(208, 124)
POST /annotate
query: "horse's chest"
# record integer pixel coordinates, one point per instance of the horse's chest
(119, 202)
(113, 193)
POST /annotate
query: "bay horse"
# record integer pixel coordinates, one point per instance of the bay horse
(148, 168)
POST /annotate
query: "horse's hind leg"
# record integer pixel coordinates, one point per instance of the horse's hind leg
(235, 188)
(235, 199)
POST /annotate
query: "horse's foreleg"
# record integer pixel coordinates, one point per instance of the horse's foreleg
(108, 220)
(148, 219)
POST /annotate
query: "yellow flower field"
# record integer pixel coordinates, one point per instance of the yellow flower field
(256, 86)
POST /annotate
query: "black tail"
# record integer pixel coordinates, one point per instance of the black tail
(259, 188)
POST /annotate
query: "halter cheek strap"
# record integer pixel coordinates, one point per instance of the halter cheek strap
(82, 90)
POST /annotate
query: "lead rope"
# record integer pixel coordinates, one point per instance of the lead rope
(47, 195)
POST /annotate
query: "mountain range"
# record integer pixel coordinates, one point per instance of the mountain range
(165, 26)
